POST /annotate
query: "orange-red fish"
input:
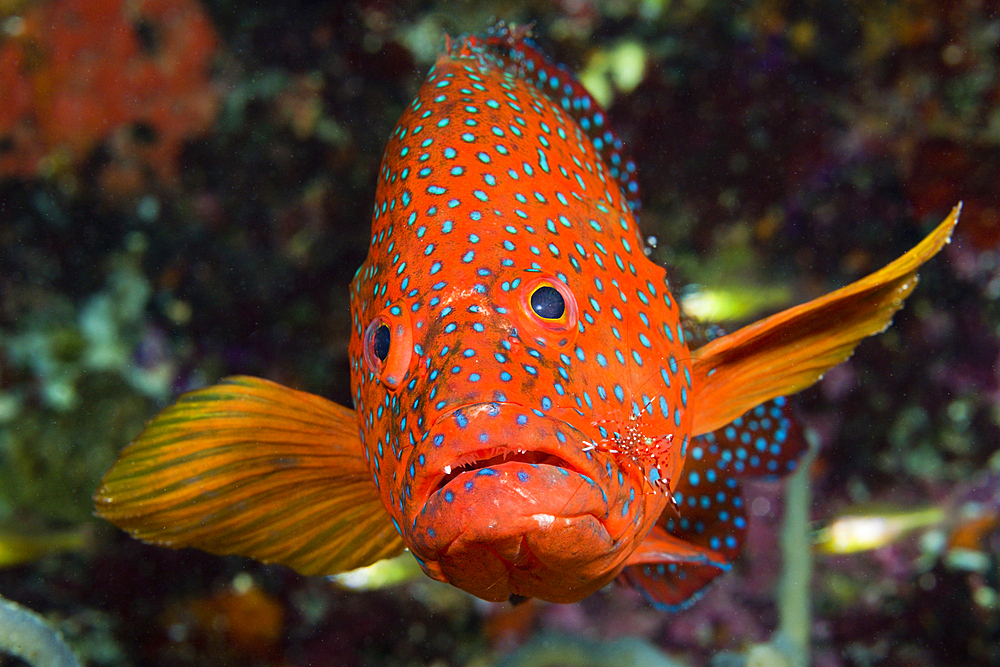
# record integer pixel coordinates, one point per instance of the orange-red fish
(530, 419)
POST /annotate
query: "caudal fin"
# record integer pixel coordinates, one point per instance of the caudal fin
(250, 467)
(789, 351)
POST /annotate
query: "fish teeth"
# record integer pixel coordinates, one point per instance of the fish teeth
(447, 470)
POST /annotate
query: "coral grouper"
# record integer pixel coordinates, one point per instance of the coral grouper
(531, 418)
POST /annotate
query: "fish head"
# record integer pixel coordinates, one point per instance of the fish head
(510, 339)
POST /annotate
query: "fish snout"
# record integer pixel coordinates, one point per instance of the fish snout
(508, 502)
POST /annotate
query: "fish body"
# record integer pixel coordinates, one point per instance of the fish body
(493, 199)
(533, 417)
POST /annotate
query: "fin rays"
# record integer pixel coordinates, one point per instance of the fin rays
(789, 351)
(252, 468)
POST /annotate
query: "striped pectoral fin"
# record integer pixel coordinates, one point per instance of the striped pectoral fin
(250, 467)
(695, 541)
(789, 351)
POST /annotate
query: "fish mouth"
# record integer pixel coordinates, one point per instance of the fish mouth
(506, 445)
(505, 494)
(496, 456)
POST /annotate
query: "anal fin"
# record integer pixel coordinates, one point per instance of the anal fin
(670, 572)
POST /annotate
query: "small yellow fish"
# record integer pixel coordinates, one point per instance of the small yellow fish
(967, 514)
(873, 529)
(732, 302)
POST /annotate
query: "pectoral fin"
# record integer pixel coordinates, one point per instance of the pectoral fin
(789, 351)
(662, 547)
(250, 467)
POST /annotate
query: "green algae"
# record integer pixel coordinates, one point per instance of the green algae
(51, 460)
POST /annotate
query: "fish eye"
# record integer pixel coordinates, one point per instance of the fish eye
(378, 340)
(387, 345)
(548, 309)
(547, 302)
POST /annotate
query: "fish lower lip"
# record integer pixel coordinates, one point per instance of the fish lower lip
(493, 458)
(490, 526)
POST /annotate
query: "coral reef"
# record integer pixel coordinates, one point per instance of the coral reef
(131, 77)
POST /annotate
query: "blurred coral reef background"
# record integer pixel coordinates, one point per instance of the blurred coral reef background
(185, 193)
(130, 77)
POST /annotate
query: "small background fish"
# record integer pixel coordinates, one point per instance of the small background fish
(835, 170)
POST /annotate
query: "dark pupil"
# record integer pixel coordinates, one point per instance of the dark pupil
(548, 303)
(380, 342)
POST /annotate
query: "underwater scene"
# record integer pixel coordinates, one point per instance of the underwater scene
(499, 333)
